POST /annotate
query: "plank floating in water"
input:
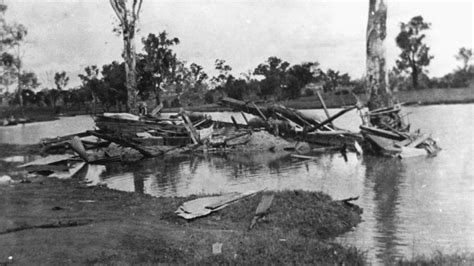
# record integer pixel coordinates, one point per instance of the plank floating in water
(408, 152)
(418, 141)
(49, 160)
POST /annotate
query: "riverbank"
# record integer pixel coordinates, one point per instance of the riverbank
(416, 97)
(51, 221)
(28, 114)
(332, 100)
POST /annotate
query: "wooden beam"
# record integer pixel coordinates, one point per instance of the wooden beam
(332, 118)
(324, 105)
(190, 128)
(122, 142)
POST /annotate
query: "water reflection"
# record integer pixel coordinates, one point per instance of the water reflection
(227, 172)
(386, 175)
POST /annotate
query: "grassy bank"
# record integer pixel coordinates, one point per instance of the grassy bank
(422, 97)
(51, 221)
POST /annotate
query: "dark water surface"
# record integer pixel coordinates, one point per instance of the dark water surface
(411, 206)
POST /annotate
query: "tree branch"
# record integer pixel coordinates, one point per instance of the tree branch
(121, 13)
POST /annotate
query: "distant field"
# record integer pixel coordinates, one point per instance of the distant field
(424, 97)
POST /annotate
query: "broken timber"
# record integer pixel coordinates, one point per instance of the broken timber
(262, 209)
(266, 112)
(122, 142)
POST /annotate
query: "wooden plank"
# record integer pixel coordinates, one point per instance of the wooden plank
(157, 109)
(77, 146)
(49, 160)
(260, 112)
(382, 133)
(386, 145)
(264, 204)
(204, 206)
(299, 156)
(403, 143)
(418, 141)
(262, 209)
(190, 128)
(245, 118)
(323, 104)
(64, 138)
(234, 122)
(332, 118)
(122, 142)
(408, 152)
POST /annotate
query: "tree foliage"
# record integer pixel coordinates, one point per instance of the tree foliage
(157, 66)
(11, 36)
(61, 80)
(415, 53)
(465, 56)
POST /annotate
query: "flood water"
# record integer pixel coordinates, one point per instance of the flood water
(411, 207)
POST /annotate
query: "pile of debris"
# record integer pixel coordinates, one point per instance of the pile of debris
(127, 137)
(383, 131)
(386, 133)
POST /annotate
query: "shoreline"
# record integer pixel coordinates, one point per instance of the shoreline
(81, 224)
(419, 97)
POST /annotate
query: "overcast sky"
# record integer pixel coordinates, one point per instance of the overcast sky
(70, 35)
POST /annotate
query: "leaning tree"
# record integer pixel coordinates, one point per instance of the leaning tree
(128, 13)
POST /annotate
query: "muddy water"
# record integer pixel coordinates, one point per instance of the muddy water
(413, 206)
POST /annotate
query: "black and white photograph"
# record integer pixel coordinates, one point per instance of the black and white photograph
(236, 132)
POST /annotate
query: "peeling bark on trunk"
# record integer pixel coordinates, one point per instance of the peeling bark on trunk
(128, 17)
(130, 70)
(377, 76)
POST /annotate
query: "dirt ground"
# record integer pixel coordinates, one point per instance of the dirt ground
(51, 221)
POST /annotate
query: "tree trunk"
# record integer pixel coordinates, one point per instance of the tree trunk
(20, 93)
(414, 77)
(377, 76)
(130, 69)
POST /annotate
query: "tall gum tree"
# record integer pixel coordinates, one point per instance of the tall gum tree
(377, 75)
(128, 14)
